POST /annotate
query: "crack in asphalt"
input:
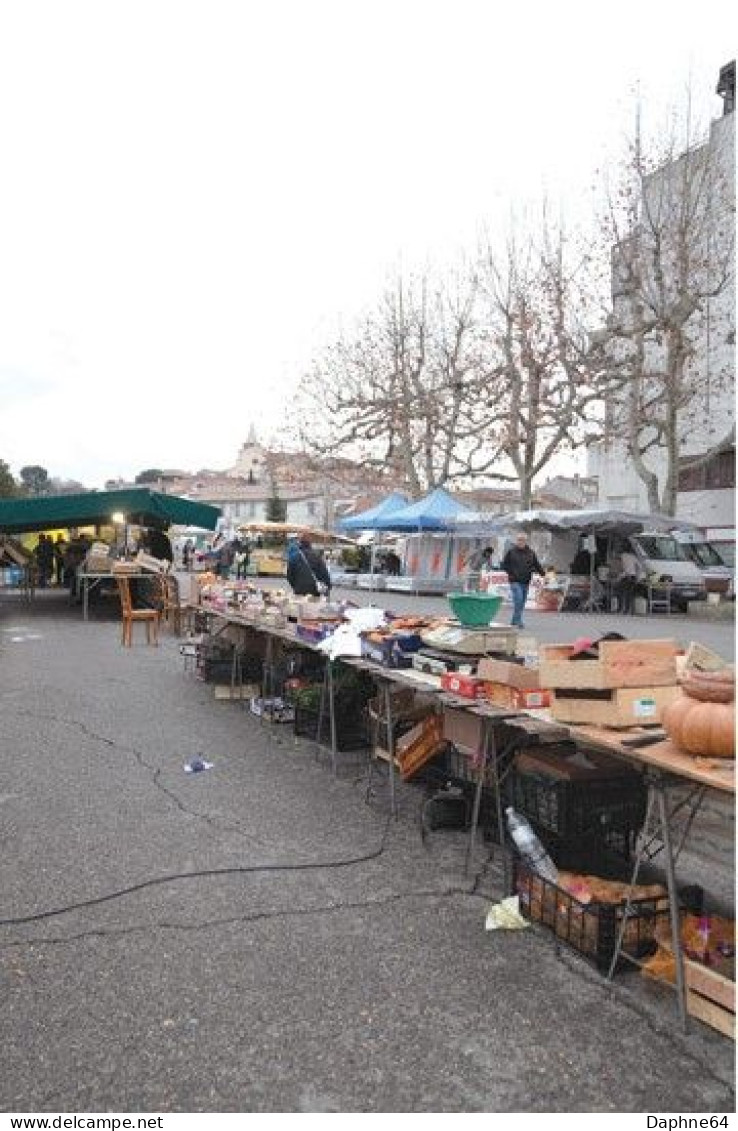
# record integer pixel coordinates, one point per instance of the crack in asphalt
(284, 913)
(216, 823)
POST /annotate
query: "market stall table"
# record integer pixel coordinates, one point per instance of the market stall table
(662, 764)
(666, 768)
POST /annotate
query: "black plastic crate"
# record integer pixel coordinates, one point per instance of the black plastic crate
(577, 809)
(351, 731)
(217, 671)
(590, 928)
(601, 851)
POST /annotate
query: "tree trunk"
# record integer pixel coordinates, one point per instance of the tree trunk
(526, 491)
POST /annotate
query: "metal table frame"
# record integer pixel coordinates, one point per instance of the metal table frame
(665, 769)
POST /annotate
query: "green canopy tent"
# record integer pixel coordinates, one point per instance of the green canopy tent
(140, 505)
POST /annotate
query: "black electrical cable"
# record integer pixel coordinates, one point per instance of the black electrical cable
(235, 871)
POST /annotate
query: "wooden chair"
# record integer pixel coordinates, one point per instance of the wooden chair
(150, 617)
(169, 603)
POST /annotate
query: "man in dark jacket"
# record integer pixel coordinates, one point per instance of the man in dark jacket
(305, 569)
(520, 563)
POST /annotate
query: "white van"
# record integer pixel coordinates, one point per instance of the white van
(661, 555)
(718, 575)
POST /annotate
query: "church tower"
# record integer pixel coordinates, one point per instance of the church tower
(251, 460)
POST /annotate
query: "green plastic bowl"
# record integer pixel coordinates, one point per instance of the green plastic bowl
(474, 610)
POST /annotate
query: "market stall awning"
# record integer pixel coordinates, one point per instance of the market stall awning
(367, 520)
(600, 521)
(437, 511)
(284, 529)
(139, 505)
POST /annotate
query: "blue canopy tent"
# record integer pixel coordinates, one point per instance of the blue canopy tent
(437, 511)
(367, 520)
(428, 559)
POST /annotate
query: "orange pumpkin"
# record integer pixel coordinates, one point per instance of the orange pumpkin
(704, 729)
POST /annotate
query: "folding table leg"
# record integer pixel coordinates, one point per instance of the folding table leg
(676, 940)
(391, 746)
(657, 810)
(483, 754)
(332, 716)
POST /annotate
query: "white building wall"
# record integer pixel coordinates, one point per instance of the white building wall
(711, 414)
(713, 510)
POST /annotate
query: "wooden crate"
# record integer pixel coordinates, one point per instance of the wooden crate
(517, 698)
(710, 997)
(621, 663)
(616, 707)
(419, 745)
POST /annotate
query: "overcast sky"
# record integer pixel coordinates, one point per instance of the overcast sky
(192, 195)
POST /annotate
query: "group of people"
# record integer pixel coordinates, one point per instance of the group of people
(48, 557)
(229, 553)
(57, 560)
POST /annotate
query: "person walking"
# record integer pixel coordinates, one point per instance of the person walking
(520, 563)
(243, 557)
(627, 583)
(306, 570)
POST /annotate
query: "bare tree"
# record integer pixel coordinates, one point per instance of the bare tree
(402, 392)
(544, 381)
(671, 224)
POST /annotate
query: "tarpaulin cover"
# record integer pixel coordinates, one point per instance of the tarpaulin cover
(599, 521)
(139, 505)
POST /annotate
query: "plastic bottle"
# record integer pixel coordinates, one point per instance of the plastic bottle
(530, 847)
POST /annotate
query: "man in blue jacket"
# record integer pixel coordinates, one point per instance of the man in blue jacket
(520, 563)
(306, 569)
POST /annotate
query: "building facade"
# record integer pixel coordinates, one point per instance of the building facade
(706, 493)
(312, 494)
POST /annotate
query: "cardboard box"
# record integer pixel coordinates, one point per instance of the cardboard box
(467, 686)
(514, 675)
(621, 663)
(463, 730)
(517, 698)
(618, 707)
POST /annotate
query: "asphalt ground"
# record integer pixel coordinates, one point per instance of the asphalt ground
(358, 987)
